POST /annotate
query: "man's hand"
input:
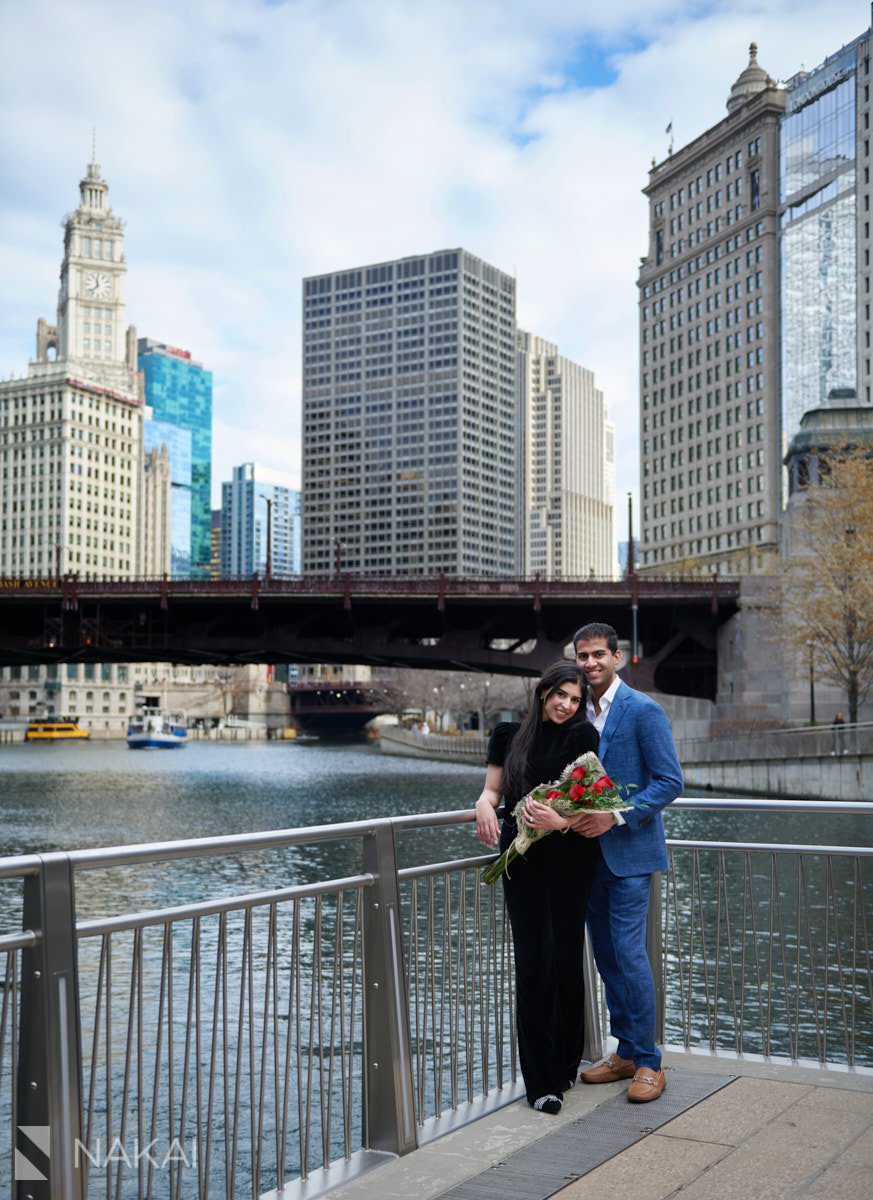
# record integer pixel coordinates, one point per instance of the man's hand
(593, 824)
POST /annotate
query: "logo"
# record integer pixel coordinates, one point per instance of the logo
(33, 1163)
(25, 1169)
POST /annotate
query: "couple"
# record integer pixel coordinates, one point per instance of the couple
(605, 863)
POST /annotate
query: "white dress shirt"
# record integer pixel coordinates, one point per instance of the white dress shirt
(598, 720)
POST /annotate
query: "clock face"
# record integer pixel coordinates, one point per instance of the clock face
(97, 285)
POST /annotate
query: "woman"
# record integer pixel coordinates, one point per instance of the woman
(547, 890)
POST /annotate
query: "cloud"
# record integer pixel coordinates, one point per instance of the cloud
(249, 144)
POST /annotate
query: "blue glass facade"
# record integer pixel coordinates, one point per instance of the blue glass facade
(178, 443)
(244, 524)
(179, 392)
(818, 239)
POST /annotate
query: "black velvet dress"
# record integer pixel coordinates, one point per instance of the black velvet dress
(546, 894)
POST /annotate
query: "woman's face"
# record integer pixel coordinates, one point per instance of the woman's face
(562, 703)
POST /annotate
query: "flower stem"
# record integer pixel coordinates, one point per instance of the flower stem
(496, 869)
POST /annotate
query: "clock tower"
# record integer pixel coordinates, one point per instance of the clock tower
(71, 430)
(90, 331)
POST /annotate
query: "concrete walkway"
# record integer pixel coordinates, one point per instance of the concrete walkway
(765, 1139)
(772, 1132)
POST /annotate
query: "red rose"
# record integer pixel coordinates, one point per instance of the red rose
(578, 773)
(576, 791)
(587, 803)
(601, 784)
(553, 795)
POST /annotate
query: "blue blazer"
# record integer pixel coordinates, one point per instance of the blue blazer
(636, 746)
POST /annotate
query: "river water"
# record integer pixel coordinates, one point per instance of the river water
(71, 796)
(74, 795)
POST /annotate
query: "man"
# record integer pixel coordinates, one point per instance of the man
(636, 747)
(838, 728)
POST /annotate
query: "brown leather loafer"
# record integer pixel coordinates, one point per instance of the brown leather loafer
(609, 1070)
(647, 1085)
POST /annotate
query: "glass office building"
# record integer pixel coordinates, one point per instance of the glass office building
(179, 392)
(818, 239)
(178, 443)
(254, 497)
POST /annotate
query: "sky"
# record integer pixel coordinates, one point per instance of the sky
(248, 143)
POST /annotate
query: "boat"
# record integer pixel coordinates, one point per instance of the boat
(55, 729)
(153, 729)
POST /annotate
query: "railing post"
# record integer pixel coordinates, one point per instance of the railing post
(655, 948)
(389, 1115)
(48, 1115)
(593, 1048)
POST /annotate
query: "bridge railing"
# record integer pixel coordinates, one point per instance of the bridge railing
(363, 584)
(243, 1042)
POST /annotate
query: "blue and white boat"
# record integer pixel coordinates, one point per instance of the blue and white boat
(153, 729)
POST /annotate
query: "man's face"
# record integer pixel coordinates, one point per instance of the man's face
(598, 662)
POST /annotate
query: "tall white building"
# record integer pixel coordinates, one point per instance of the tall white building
(71, 429)
(155, 543)
(71, 460)
(566, 467)
(259, 504)
(409, 418)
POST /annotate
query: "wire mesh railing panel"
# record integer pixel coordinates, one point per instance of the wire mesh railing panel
(222, 1052)
(769, 952)
(10, 975)
(460, 990)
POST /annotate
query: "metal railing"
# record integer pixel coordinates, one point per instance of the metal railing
(819, 741)
(470, 748)
(236, 1044)
(724, 586)
(765, 948)
(244, 1043)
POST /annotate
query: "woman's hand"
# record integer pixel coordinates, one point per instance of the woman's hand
(487, 826)
(541, 816)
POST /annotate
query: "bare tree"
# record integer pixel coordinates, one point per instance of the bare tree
(462, 694)
(231, 683)
(827, 579)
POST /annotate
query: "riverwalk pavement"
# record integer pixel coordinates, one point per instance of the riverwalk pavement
(725, 1127)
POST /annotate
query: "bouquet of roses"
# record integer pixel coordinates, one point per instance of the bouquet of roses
(583, 786)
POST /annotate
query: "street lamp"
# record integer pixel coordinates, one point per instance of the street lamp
(632, 577)
(269, 565)
(809, 646)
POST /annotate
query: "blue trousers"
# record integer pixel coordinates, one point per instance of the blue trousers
(617, 910)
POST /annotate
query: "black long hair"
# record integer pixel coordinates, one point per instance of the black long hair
(515, 767)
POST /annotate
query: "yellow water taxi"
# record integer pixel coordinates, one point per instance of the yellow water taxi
(61, 729)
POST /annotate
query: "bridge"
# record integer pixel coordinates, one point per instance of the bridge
(509, 626)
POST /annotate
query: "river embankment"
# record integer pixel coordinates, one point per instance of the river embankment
(797, 764)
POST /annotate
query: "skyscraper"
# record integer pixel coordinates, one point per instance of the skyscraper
(259, 509)
(566, 467)
(179, 392)
(754, 306)
(409, 418)
(709, 342)
(825, 235)
(163, 435)
(71, 430)
(156, 532)
(71, 459)
(215, 545)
